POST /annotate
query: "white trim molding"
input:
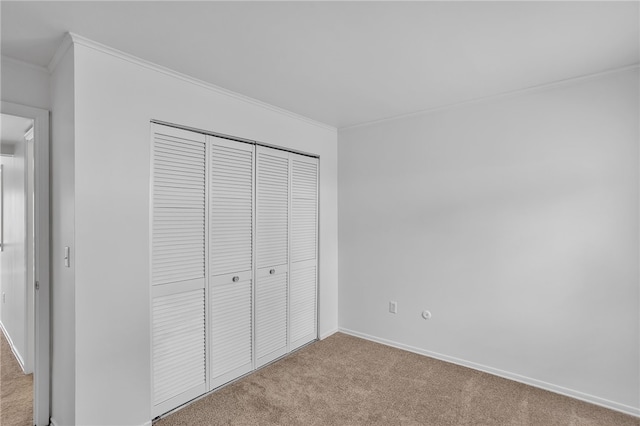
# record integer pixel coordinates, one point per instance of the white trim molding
(41, 315)
(29, 134)
(592, 399)
(24, 64)
(328, 333)
(64, 45)
(73, 39)
(15, 352)
(495, 97)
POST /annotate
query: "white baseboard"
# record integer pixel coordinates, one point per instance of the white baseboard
(13, 348)
(329, 333)
(612, 405)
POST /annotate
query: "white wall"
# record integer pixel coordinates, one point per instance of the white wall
(115, 99)
(515, 222)
(13, 289)
(63, 373)
(23, 83)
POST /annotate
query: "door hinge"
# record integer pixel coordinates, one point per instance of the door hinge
(37, 285)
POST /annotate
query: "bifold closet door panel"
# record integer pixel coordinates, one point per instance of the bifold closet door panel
(272, 253)
(178, 267)
(178, 344)
(231, 328)
(231, 196)
(271, 314)
(304, 246)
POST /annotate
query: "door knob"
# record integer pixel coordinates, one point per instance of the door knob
(235, 279)
(273, 271)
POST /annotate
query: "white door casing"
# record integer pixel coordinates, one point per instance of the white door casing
(42, 268)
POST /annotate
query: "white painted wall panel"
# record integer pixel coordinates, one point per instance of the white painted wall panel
(112, 169)
(13, 291)
(515, 222)
(63, 233)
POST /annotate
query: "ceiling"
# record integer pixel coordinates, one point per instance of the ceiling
(12, 130)
(345, 63)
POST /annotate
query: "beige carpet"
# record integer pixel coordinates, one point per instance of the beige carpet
(344, 380)
(16, 389)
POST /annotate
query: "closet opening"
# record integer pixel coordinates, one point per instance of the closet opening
(234, 259)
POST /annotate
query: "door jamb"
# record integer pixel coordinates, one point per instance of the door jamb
(42, 296)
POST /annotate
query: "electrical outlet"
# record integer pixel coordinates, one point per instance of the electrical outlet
(393, 307)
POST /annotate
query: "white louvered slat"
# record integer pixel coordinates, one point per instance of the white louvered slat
(304, 243)
(231, 331)
(178, 338)
(303, 229)
(271, 315)
(304, 179)
(304, 182)
(206, 194)
(303, 303)
(178, 231)
(231, 207)
(272, 208)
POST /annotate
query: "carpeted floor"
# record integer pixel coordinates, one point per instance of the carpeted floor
(344, 380)
(16, 389)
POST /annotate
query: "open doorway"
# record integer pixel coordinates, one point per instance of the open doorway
(24, 265)
(17, 274)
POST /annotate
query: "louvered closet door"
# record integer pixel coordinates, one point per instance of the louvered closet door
(304, 244)
(178, 267)
(272, 254)
(230, 253)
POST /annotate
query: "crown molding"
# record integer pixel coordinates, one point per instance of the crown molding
(24, 64)
(499, 96)
(71, 38)
(64, 45)
(29, 134)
